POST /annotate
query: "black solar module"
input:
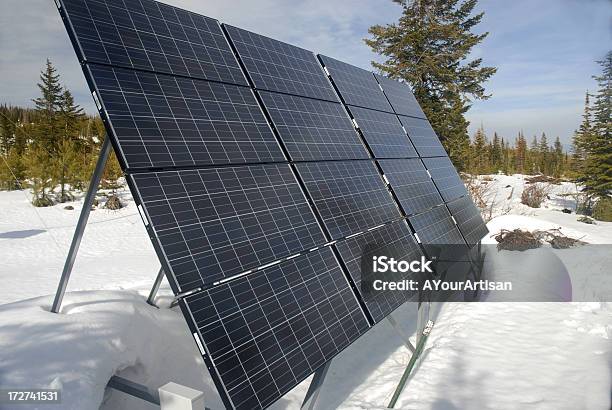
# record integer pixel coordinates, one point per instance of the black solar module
(392, 240)
(277, 66)
(435, 226)
(400, 96)
(266, 332)
(423, 137)
(350, 196)
(214, 223)
(357, 86)
(411, 184)
(468, 219)
(166, 121)
(148, 35)
(446, 178)
(313, 129)
(383, 133)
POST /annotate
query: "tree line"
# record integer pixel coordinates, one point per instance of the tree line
(53, 147)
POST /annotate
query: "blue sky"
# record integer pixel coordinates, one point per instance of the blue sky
(544, 50)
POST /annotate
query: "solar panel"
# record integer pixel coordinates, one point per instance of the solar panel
(445, 176)
(400, 96)
(383, 133)
(411, 184)
(350, 196)
(313, 129)
(277, 66)
(165, 121)
(392, 240)
(148, 35)
(435, 226)
(264, 333)
(356, 86)
(214, 223)
(423, 137)
(468, 219)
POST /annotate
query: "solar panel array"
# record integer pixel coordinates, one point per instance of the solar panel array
(264, 174)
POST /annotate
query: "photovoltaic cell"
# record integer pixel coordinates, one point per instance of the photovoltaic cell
(423, 137)
(392, 240)
(166, 121)
(435, 226)
(400, 96)
(148, 35)
(357, 86)
(277, 66)
(446, 178)
(384, 133)
(266, 332)
(350, 196)
(313, 129)
(411, 184)
(468, 219)
(214, 223)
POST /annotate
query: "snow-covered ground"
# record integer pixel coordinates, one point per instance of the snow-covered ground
(479, 356)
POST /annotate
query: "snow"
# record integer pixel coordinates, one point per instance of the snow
(480, 355)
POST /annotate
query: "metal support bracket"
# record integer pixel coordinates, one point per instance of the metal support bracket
(133, 389)
(314, 390)
(155, 288)
(399, 331)
(80, 228)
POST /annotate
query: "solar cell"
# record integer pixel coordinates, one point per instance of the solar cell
(400, 96)
(165, 121)
(313, 129)
(356, 86)
(267, 331)
(277, 66)
(148, 35)
(411, 184)
(435, 226)
(350, 196)
(383, 133)
(446, 178)
(214, 223)
(392, 240)
(468, 219)
(423, 137)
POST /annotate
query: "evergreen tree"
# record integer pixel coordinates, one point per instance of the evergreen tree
(429, 48)
(521, 154)
(496, 153)
(543, 156)
(47, 106)
(598, 178)
(559, 159)
(479, 157)
(69, 147)
(581, 142)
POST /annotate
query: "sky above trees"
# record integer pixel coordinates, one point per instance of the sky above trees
(545, 50)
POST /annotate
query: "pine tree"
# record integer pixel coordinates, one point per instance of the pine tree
(521, 154)
(558, 165)
(598, 178)
(47, 106)
(496, 153)
(543, 156)
(479, 157)
(581, 142)
(68, 148)
(429, 48)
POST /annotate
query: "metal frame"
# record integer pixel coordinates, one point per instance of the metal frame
(80, 228)
(314, 390)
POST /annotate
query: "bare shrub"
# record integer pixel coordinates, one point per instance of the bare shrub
(483, 194)
(516, 240)
(533, 195)
(113, 203)
(543, 178)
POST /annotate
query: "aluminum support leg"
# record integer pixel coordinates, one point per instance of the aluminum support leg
(312, 395)
(78, 233)
(155, 288)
